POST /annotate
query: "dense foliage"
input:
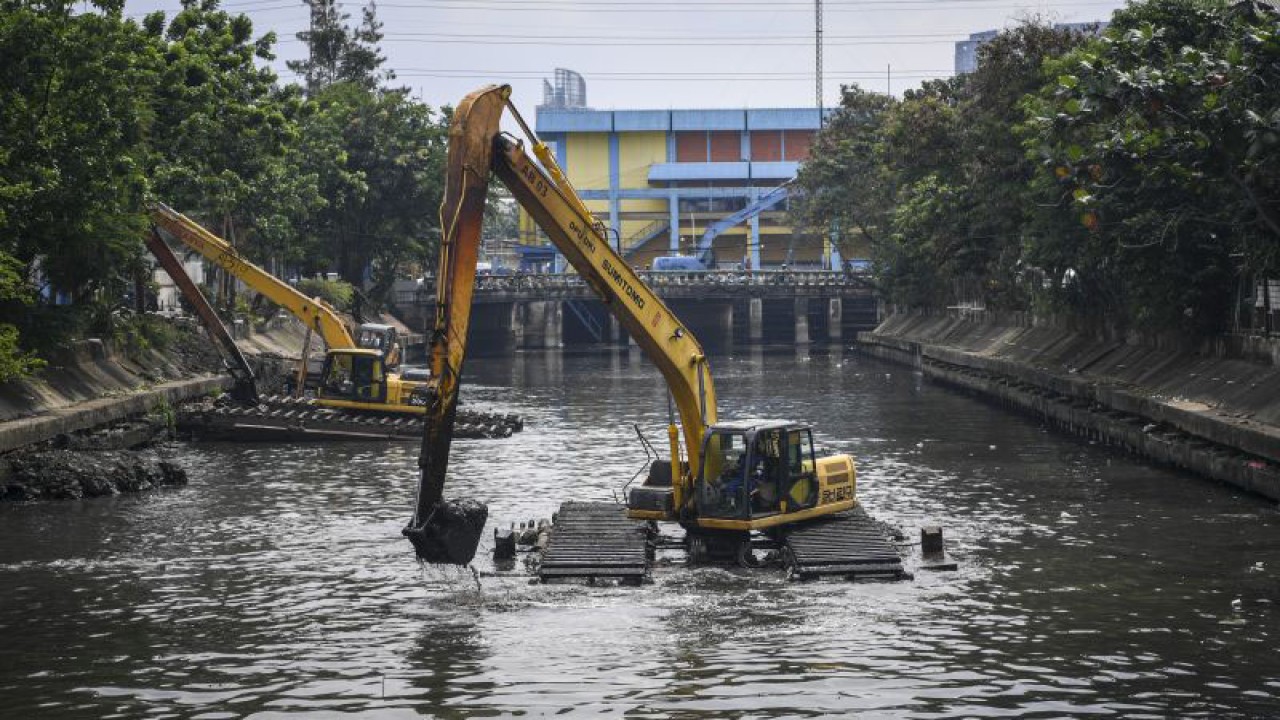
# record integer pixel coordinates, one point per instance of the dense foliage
(1131, 177)
(99, 113)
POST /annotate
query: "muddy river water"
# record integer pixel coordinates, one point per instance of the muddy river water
(277, 584)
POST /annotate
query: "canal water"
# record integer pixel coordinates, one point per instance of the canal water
(277, 584)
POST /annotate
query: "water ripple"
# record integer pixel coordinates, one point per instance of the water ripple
(277, 584)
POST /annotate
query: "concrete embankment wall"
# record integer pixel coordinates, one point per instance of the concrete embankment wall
(1213, 415)
(92, 384)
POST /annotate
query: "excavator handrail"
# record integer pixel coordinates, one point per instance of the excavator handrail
(313, 312)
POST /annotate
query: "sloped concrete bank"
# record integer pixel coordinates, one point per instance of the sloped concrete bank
(94, 421)
(1216, 416)
(93, 384)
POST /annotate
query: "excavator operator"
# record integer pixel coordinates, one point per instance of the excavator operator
(764, 475)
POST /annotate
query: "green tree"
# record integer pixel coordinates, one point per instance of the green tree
(74, 113)
(996, 169)
(1158, 147)
(379, 159)
(844, 185)
(226, 135)
(339, 54)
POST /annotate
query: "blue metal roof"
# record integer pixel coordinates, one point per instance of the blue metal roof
(669, 172)
(784, 170)
(783, 119)
(551, 120)
(573, 121)
(641, 120)
(708, 120)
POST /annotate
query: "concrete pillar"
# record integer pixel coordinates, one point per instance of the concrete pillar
(541, 324)
(518, 312)
(725, 322)
(802, 321)
(835, 317)
(673, 206)
(755, 241)
(614, 330)
(531, 325)
(553, 335)
(755, 319)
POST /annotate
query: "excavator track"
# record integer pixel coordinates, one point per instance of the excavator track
(849, 543)
(595, 540)
(285, 418)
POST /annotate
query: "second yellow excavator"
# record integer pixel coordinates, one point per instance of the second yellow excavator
(721, 481)
(361, 369)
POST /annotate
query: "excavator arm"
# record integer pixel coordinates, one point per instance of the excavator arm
(313, 312)
(476, 148)
(245, 389)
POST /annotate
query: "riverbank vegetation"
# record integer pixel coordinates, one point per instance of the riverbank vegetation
(1128, 177)
(338, 171)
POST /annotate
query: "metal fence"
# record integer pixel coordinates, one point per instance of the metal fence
(561, 284)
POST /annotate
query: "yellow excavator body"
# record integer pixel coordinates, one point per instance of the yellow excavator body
(360, 368)
(730, 477)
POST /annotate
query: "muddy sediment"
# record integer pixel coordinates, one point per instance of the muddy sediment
(77, 474)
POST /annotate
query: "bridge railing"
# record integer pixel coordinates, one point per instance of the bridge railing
(560, 283)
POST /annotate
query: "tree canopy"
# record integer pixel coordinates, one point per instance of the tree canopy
(1127, 177)
(100, 112)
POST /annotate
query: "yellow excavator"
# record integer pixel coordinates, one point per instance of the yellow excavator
(721, 481)
(360, 373)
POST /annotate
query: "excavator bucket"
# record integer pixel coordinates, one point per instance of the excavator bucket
(450, 532)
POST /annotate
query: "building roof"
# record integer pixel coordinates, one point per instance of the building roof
(550, 120)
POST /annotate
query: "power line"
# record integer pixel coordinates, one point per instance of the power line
(682, 38)
(739, 8)
(684, 7)
(709, 42)
(795, 77)
(662, 73)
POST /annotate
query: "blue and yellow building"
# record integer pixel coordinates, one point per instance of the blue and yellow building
(688, 181)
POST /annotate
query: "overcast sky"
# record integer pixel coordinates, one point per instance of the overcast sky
(665, 53)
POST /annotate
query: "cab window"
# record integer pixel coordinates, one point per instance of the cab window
(337, 381)
(801, 490)
(722, 489)
(799, 452)
(355, 377)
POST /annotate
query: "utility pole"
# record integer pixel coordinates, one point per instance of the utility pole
(817, 41)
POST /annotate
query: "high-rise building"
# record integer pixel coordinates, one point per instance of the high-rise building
(967, 50)
(567, 91)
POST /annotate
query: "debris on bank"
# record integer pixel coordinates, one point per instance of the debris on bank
(76, 474)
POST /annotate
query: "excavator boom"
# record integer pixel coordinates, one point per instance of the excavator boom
(245, 389)
(477, 147)
(314, 313)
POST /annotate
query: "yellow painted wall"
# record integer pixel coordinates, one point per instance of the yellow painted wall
(636, 152)
(587, 160)
(587, 155)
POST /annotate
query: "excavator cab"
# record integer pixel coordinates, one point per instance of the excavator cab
(752, 471)
(353, 375)
(384, 339)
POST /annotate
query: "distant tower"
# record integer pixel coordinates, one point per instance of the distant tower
(817, 42)
(569, 91)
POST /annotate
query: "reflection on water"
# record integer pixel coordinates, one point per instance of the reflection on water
(277, 584)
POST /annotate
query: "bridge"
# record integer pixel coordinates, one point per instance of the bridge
(773, 306)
